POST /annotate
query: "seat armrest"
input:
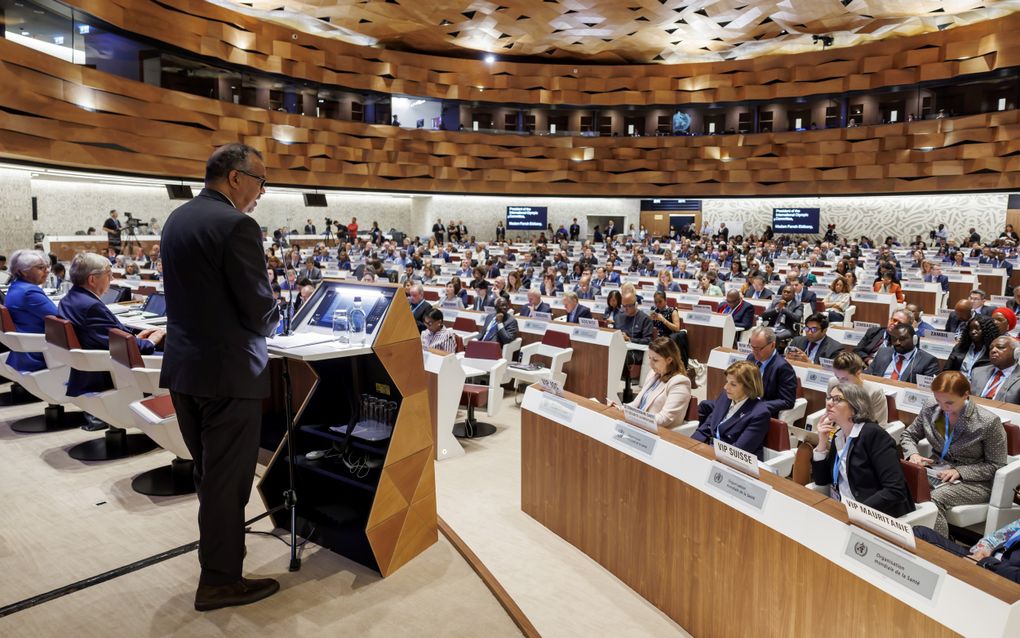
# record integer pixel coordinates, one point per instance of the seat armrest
(152, 361)
(1004, 482)
(688, 428)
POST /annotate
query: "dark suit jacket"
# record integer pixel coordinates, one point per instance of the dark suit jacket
(746, 430)
(503, 335)
(220, 308)
(479, 303)
(873, 470)
(793, 315)
(92, 322)
(780, 384)
(827, 349)
(581, 311)
(542, 307)
(955, 359)
(765, 293)
(871, 342)
(922, 363)
(418, 312)
(953, 322)
(743, 316)
(942, 280)
(808, 298)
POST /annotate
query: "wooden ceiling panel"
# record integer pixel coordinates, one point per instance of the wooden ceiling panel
(632, 31)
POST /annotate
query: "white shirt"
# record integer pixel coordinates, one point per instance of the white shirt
(991, 379)
(734, 407)
(907, 358)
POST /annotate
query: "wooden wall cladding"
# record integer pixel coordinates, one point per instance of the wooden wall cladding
(57, 113)
(217, 32)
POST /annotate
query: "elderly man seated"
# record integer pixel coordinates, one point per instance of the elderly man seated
(92, 320)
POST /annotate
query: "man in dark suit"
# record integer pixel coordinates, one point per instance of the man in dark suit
(575, 309)
(936, 276)
(419, 305)
(438, 231)
(220, 310)
(815, 344)
(963, 311)
(778, 378)
(742, 313)
(999, 381)
(757, 289)
(876, 338)
(483, 298)
(500, 327)
(802, 294)
(977, 302)
(112, 227)
(309, 228)
(92, 320)
(535, 304)
(784, 315)
(575, 230)
(902, 360)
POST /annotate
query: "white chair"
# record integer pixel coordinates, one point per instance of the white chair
(556, 346)
(112, 406)
(48, 384)
(848, 316)
(485, 356)
(779, 457)
(157, 419)
(798, 411)
(509, 350)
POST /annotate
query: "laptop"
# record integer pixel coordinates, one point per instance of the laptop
(154, 306)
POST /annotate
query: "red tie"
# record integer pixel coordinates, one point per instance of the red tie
(899, 368)
(994, 387)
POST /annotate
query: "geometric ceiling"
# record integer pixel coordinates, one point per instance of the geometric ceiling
(619, 31)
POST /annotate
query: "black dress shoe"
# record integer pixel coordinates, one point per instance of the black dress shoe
(243, 592)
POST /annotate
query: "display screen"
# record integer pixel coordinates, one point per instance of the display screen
(798, 221)
(527, 217)
(658, 205)
(155, 304)
(336, 295)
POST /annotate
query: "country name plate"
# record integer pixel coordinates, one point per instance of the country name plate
(738, 486)
(904, 569)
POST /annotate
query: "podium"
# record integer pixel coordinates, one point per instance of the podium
(707, 330)
(446, 383)
(382, 513)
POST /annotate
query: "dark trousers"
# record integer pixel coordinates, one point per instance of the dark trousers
(222, 435)
(931, 536)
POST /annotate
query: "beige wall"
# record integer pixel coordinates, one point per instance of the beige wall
(15, 211)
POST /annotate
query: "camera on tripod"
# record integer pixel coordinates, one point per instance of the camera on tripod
(133, 223)
(329, 222)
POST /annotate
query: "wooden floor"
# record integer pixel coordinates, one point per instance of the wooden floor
(65, 521)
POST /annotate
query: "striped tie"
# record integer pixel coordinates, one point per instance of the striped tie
(994, 386)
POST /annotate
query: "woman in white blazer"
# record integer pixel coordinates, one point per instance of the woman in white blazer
(666, 390)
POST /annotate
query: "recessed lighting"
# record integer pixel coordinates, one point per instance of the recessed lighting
(490, 59)
(83, 29)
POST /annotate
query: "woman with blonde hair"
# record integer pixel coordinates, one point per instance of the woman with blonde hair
(739, 415)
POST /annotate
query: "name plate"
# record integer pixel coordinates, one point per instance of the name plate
(945, 312)
(734, 357)
(543, 316)
(451, 304)
(818, 379)
(825, 363)
(585, 334)
(941, 334)
(865, 324)
(699, 318)
(689, 300)
(634, 439)
(744, 348)
(535, 326)
(738, 486)
(588, 323)
(923, 381)
(938, 349)
(640, 418)
(910, 400)
(735, 457)
(449, 314)
(865, 296)
(854, 335)
(519, 300)
(912, 573)
(551, 386)
(1001, 300)
(912, 286)
(556, 408)
(885, 526)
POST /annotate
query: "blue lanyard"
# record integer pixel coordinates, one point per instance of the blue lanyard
(839, 459)
(949, 441)
(644, 395)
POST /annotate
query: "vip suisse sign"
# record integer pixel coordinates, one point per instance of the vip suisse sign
(736, 458)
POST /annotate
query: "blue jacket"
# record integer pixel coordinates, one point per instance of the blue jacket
(743, 314)
(780, 384)
(92, 322)
(29, 307)
(542, 307)
(746, 429)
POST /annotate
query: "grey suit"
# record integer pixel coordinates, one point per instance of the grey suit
(1009, 388)
(977, 451)
(921, 363)
(502, 335)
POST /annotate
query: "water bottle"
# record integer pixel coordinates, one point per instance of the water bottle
(341, 327)
(357, 323)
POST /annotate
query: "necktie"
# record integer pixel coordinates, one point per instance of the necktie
(757, 293)
(491, 330)
(993, 387)
(811, 350)
(895, 376)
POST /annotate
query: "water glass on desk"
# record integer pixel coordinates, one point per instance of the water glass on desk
(341, 327)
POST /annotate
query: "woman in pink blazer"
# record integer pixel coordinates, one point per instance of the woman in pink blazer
(666, 390)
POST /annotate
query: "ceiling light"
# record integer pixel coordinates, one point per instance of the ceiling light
(83, 29)
(490, 59)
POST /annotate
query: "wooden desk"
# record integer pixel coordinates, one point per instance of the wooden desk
(595, 368)
(873, 307)
(960, 287)
(67, 246)
(927, 296)
(716, 570)
(992, 280)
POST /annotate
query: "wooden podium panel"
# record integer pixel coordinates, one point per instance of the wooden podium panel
(701, 340)
(710, 567)
(926, 300)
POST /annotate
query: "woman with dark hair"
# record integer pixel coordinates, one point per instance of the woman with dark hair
(614, 307)
(968, 445)
(887, 284)
(666, 390)
(972, 350)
